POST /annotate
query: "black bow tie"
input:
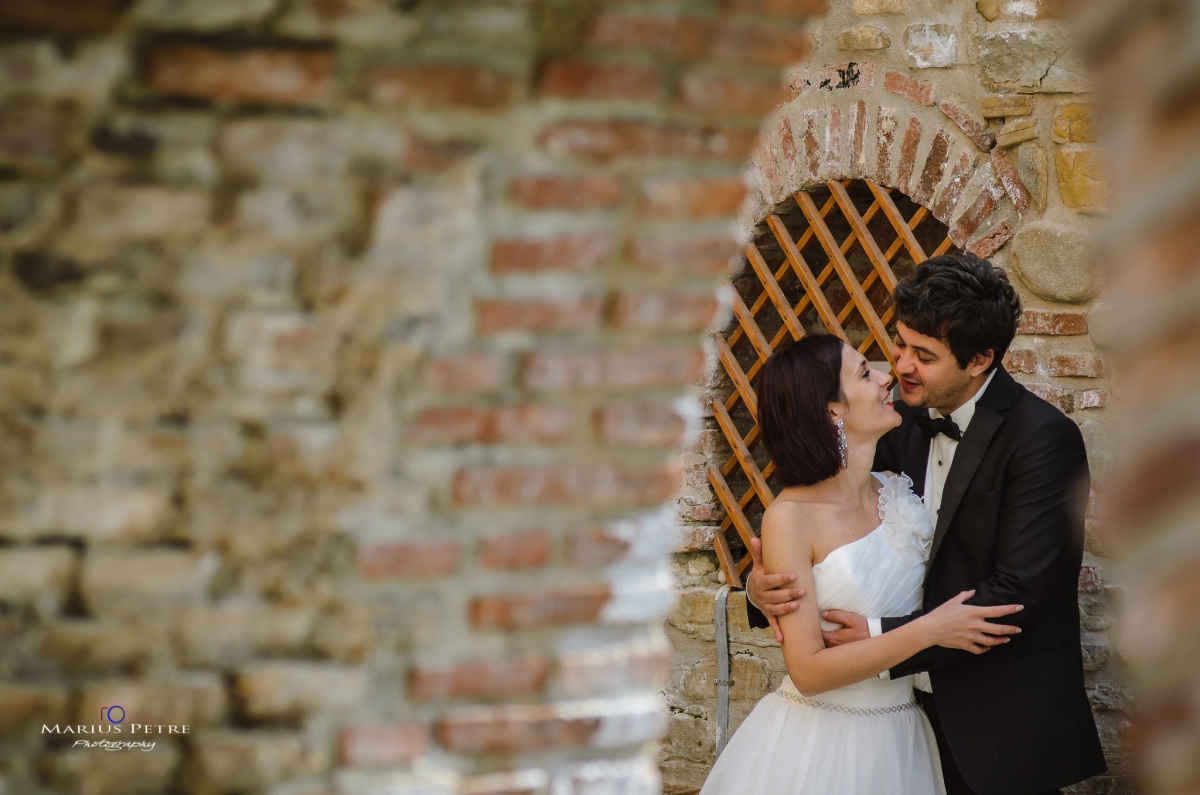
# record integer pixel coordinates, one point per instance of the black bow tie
(933, 427)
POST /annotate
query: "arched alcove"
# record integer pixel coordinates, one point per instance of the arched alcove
(826, 259)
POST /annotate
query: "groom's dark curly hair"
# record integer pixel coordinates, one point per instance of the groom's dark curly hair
(964, 300)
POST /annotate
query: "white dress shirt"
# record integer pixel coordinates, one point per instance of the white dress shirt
(937, 467)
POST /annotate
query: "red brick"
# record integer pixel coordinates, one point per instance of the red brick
(1077, 365)
(432, 154)
(858, 139)
(947, 200)
(1006, 170)
(566, 193)
(479, 680)
(979, 211)
(605, 140)
(610, 370)
(31, 135)
(1062, 399)
(700, 197)
(992, 242)
(852, 74)
(521, 424)
(1035, 321)
(1091, 580)
(639, 425)
(664, 311)
(1021, 361)
(812, 147)
(439, 87)
(608, 485)
(908, 87)
(516, 729)
(677, 256)
(596, 546)
(468, 372)
(527, 549)
(766, 45)
(725, 95)
(935, 167)
(974, 128)
(908, 154)
(702, 512)
(407, 559)
(645, 32)
(381, 745)
(59, 16)
(612, 669)
(777, 8)
(494, 315)
(565, 605)
(581, 80)
(567, 253)
(1093, 399)
(885, 134)
(264, 75)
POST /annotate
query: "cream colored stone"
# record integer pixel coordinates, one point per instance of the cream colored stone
(1083, 180)
(36, 576)
(989, 9)
(867, 7)
(864, 37)
(1016, 132)
(1075, 123)
(1033, 164)
(1007, 105)
(930, 46)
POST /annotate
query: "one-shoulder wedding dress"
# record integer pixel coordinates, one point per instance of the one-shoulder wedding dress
(869, 738)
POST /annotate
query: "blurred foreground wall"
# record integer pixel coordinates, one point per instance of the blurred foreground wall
(340, 345)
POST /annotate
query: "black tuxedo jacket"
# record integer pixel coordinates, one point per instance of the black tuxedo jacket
(1010, 526)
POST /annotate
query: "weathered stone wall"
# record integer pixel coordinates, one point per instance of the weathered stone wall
(340, 351)
(982, 113)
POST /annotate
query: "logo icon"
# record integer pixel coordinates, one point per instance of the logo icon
(114, 713)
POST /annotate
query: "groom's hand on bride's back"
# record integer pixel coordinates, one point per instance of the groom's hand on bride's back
(770, 592)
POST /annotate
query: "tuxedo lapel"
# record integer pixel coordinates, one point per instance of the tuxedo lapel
(918, 458)
(971, 449)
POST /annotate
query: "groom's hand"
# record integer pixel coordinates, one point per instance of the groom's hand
(768, 593)
(854, 627)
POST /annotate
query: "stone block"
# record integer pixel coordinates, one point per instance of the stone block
(1083, 180)
(864, 37)
(1007, 105)
(104, 515)
(1033, 165)
(751, 679)
(275, 76)
(281, 351)
(91, 648)
(32, 136)
(24, 707)
(125, 212)
(286, 150)
(381, 745)
(127, 582)
(1075, 123)
(1031, 60)
(868, 7)
(931, 46)
(296, 216)
(201, 15)
(230, 634)
(37, 577)
(194, 699)
(1017, 131)
(290, 690)
(225, 761)
(1056, 262)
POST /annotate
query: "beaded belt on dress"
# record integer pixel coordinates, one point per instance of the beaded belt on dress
(808, 702)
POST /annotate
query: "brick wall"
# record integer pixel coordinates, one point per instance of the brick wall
(984, 113)
(1148, 95)
(341, 347)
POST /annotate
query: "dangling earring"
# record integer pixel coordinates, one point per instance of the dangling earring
(842, 445)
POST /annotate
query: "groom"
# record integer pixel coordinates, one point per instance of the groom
(1005, 476)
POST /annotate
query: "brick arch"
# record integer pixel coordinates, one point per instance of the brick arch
(853, 120)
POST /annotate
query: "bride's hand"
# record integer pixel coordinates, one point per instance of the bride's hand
(959, 626)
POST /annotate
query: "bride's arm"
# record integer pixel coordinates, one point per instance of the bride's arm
(815, 669)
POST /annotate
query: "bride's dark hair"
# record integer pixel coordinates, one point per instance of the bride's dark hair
(797, 384)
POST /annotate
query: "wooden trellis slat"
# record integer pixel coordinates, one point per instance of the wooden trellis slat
(813, 287)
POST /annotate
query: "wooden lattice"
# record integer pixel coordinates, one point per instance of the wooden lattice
(801, 285)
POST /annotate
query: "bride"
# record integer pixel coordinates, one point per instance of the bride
(857, 541)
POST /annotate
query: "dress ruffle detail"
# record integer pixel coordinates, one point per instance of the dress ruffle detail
(906, 522)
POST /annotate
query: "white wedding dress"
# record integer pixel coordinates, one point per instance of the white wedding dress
(869, 738)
